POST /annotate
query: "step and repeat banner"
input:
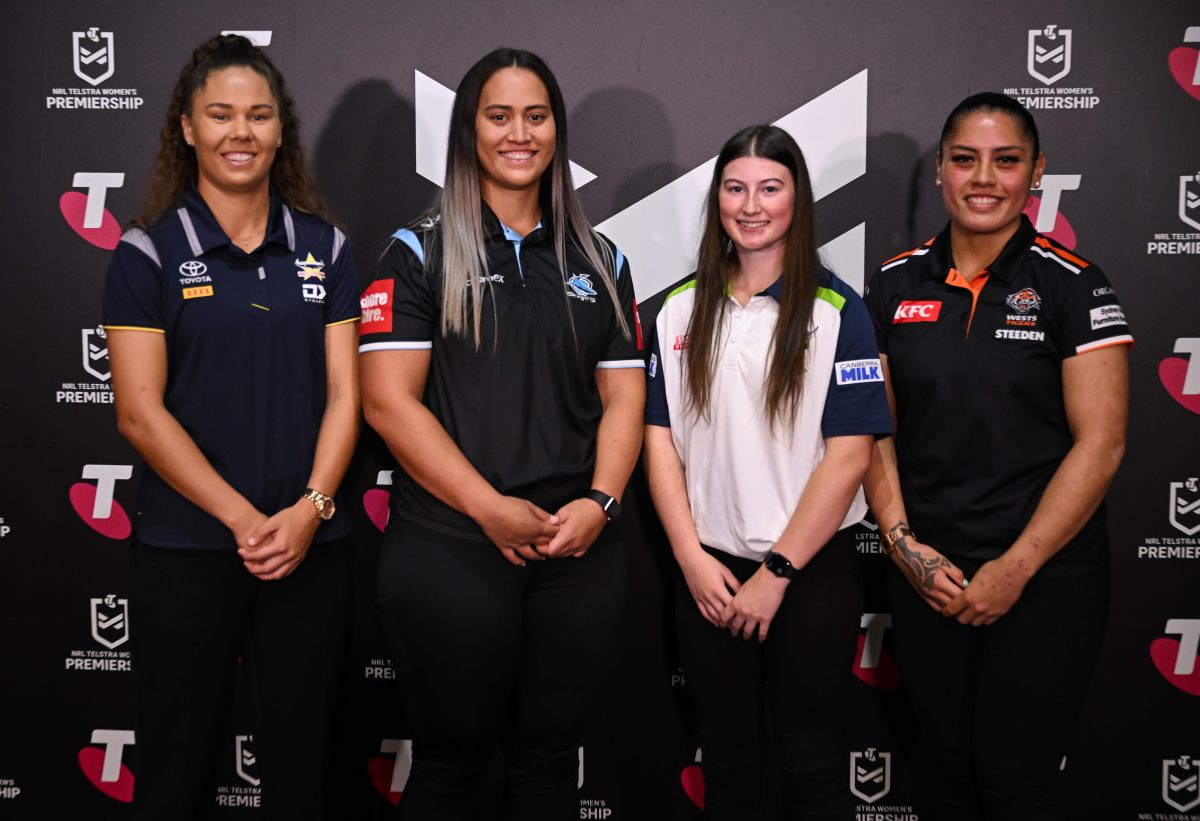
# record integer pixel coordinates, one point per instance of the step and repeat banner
(653, 90)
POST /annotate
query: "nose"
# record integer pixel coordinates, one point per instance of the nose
(519, 133)
(241, 128)
(753, 204)
(983, 174)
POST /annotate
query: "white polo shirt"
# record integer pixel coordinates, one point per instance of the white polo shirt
(743, 481)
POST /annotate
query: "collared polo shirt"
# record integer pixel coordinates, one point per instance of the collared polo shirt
(743, 479)
(524, 408)
(245, 335)
(977, 377)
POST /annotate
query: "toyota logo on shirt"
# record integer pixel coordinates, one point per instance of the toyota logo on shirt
(910, 311)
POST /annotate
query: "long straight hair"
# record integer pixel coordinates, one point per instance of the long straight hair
(175, 167)
(464, 264)
(718, 264)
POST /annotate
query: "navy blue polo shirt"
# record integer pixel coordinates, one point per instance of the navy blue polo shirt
(245, 335)
(524, 408)
(976, 371)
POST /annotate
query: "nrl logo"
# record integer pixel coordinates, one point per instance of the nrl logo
(92, 51)
(1181, 783)
(1049, 48)
(310, 268)
(95, 353)
(110, 621)
(1189, 200)
(245, 759)
(1185, 506)
(870, 774)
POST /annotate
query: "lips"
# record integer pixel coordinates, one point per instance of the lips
(238, 157)
(518, 156)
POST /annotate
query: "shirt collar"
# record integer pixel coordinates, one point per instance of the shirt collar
(1004, 266)
(494, 229)
(204, 233)
(775, 289)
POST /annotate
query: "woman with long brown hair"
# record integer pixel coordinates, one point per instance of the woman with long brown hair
(504, 372)
(764, 399)
(230, 308)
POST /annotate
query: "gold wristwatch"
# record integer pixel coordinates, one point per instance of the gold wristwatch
(896, 536)
(324, 504)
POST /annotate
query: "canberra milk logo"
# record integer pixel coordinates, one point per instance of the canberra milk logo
(1181, 782)
(1185, 506)
(1185, 63)
(94, 503)
(831, 129)
(94, 59)
(870, 774)
(109, 622)
(1177, 242)
(102, 766)
(854, 371)
(86, 214)
(389, 771)
(1174, 658)
(93, 350)
(1048, 60)
(873, 664)
(1181, 375)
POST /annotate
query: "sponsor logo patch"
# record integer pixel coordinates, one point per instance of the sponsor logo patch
(1009, 333)
(310, 268)
(580, 287)
(653, 365)
(201, 290)
(376, 304)
(1024, 301)
(858, 370)
(1106, 315)
(681, 342)
(910, 311)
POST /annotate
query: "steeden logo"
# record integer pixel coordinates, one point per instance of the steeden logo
(1180, 376)
(389, 771)
(873, 664)
(1184, 63)
(95, 504)
(102, 765)
(86, 214)
(1175, 659)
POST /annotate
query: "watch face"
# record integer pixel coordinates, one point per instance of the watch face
(778, 565)
(327, 510)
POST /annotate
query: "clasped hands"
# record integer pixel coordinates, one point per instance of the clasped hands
(523, 532)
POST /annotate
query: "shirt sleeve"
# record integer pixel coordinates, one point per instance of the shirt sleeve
(400, 306)
(658, 412)
(1090, 316)
(856, 403)
(621, 352)
(876, 302)
(342, 306)
(133, 285)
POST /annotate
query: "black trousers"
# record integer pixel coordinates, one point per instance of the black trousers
(193, 613)
(498, 655)
(996, 704)
(802, 673)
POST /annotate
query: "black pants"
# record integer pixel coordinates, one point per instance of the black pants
(498, 654)
(996, 704)
(193, 613)
(803, 670)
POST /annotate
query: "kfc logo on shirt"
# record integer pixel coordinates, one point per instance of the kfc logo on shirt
(102, 765)
(1175, 658)
(95, 503)
(911, 311)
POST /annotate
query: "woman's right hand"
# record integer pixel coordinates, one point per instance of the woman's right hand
(932, 575)
(515, 526)
(711, 584)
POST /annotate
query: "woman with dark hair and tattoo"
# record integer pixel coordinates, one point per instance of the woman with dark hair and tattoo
(764, 399)
(230, 309)
(1006, 361)
(501, 365)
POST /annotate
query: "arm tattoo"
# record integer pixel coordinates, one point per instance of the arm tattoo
(919, 570)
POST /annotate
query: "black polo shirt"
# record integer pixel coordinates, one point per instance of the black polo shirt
(245, 338)
(977, 375)
(524, 408)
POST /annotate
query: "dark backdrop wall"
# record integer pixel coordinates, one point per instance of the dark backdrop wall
(653, 90)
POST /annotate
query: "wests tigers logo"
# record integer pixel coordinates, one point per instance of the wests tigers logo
(1024, 301)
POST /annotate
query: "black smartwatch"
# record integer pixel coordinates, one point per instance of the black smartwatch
(779, 565)
(610, 506)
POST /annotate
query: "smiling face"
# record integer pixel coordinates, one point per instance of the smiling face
(235, 128)
(986, 167)
(756, 200)
(514, 131)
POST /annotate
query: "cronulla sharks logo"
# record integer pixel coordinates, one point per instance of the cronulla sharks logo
(580, 287)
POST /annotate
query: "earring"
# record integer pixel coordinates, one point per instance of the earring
(1037, 183)
(278, 142)
(938, 181)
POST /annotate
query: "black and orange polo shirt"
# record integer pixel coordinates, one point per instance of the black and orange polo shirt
(976, 370)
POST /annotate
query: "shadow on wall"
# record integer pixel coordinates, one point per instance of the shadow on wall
(365, 166)
(624, 171)
(904, 209)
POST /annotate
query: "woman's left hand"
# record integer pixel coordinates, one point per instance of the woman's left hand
(280, 543)
(579, 524)
(991, 593)
(755, 605)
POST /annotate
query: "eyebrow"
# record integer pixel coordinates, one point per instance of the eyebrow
(507, 107)
(740, 182)
(230, 105)
(998, 148)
